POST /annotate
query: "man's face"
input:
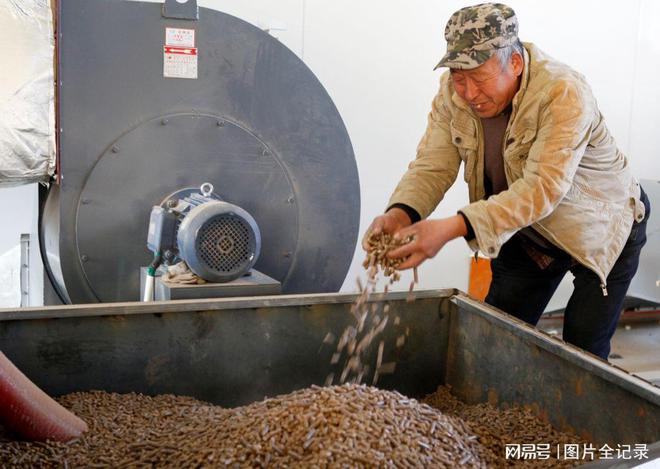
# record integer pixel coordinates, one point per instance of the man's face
(489, 88)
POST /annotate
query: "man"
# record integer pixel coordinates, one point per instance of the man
(549, 189)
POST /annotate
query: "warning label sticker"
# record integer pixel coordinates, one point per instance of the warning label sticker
(180, 37)
(179, 62)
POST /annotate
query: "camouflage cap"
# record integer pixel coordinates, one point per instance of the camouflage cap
(474, 33)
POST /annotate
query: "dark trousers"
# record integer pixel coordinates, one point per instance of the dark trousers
(523, 289)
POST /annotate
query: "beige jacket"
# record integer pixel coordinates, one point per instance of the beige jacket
(566, 176)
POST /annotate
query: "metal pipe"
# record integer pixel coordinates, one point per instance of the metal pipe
(151, 277)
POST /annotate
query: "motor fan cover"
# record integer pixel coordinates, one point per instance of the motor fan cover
(219, 241)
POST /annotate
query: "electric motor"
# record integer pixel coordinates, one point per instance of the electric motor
(218, 240)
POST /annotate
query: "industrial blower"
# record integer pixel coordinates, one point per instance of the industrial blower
(211, 98)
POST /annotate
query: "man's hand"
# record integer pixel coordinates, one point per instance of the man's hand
(429, 236)
(390, 222)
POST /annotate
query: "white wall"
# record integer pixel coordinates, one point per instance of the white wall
(645, 92)
(376, 60)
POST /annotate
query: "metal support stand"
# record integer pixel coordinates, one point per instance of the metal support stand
(253, 284)
(25, 270)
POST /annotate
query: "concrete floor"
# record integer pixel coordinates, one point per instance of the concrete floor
(635, 347)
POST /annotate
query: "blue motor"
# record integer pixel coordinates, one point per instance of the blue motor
(219, 241)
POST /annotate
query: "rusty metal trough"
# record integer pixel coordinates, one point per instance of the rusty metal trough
(235, 351)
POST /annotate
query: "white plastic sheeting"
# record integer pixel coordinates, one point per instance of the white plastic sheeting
(27, 111)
